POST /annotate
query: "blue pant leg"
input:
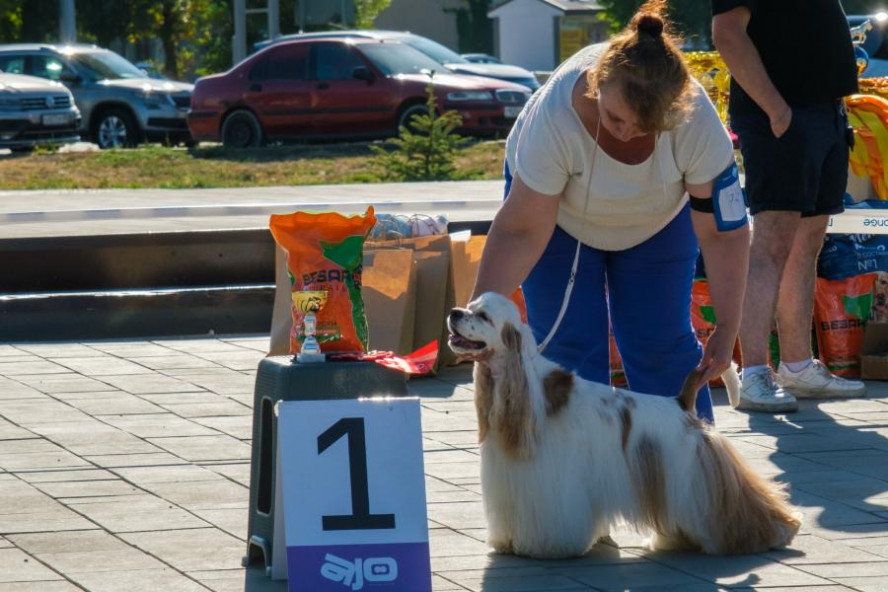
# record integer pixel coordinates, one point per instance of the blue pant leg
(581, 341)
(650, 303)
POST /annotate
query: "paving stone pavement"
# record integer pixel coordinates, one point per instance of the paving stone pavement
(125, 466)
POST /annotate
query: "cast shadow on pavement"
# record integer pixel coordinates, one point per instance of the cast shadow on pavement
(833, 456)
(255, 580)
(629, 568)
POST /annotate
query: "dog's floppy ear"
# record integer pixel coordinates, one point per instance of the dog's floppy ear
(513, 362)
(513, 407)
(483, 398)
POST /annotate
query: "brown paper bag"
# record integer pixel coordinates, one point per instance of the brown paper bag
(281, 317)
(434, 289)
(465, 262)
(389, 291)
(464, 268)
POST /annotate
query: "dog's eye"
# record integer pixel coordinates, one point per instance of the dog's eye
(483, 316)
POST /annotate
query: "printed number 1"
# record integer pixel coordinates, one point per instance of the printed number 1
(360, 518)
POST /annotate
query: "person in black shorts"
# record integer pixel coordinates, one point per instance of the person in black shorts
(791, 62)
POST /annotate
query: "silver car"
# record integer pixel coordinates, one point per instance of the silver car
(35, 112)
(120, 104)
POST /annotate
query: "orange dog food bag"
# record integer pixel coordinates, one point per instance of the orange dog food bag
(841, 310)
(325, 254)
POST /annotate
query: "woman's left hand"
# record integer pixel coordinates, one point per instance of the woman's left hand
(717, 354)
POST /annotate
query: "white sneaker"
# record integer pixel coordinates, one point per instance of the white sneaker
(817, 382)
(759, 393)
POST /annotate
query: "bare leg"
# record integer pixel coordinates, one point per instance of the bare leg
(772, 241)
(795, 303)
(795, 307)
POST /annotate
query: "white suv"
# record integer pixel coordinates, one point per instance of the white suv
(35, 112)
(121, 105)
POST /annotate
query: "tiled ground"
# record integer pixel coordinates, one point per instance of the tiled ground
(124, 466)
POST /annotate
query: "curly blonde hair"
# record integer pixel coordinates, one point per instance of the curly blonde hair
(643, 62)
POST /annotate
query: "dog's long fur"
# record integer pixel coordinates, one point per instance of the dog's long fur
(563, 459)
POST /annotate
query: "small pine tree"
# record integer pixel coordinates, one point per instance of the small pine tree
(426, 148)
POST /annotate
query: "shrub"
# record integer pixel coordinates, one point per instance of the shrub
(425, 149)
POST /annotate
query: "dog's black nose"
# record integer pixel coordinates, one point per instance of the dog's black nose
(457, 313)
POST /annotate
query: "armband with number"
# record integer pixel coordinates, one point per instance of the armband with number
(728, 204)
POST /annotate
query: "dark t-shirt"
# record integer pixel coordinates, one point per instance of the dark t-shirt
(805, 46)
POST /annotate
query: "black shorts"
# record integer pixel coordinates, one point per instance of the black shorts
(804, 170)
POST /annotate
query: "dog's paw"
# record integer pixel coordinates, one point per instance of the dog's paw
(502, 547)
(675, 542)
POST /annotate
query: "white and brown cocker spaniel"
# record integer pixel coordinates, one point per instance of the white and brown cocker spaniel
(564, 459)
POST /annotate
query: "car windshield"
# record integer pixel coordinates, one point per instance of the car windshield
(434, 50)
(107, 65)
(395, 58)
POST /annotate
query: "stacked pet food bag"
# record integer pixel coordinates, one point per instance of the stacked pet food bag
(852, 282)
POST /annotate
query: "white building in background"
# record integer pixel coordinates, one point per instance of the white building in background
(434, 19)
(540, 34)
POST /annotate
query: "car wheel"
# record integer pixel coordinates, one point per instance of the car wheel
(405, 120)
(241, 129)
(116, 128)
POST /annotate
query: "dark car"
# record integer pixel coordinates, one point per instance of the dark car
(341, 88)
(440, 53)
(121, 106)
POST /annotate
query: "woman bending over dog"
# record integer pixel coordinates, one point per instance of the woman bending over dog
(623, 154)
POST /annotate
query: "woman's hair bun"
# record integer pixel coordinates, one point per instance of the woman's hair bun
(650, 24)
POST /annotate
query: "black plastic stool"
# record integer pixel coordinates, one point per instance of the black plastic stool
(281, 378)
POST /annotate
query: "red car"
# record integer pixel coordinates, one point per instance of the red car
(355, 88)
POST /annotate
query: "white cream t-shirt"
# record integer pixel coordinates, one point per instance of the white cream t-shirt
(552, 152)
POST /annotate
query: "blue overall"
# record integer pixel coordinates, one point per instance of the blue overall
(646, 291)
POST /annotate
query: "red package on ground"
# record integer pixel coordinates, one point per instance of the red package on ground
(420, 362)
(841, 309)
(325, 258)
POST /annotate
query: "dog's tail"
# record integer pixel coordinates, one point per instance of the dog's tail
(688, 396)
(747, 513)
(732, 384)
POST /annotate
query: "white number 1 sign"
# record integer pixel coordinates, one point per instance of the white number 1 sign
(350, 499)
